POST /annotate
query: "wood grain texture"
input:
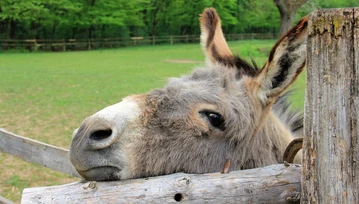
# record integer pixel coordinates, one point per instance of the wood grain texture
(36, 152)
(330, 148)
(271, 184)
(5, 201)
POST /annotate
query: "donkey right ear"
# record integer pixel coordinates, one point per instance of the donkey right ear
(286, 61)
(213, 43)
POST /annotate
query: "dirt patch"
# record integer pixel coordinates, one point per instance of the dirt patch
(183, 61)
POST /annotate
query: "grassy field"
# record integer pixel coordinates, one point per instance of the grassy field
(45, 96)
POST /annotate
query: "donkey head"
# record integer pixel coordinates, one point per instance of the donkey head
(222, 111)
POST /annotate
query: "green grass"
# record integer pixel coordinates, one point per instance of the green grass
(45, 96)
(16, 181)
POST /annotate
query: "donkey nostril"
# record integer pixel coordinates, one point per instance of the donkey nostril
(101, 134)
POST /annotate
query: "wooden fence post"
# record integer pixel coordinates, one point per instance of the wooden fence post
(35, 45)
(64, 45)
(330, 171)
(89, 44)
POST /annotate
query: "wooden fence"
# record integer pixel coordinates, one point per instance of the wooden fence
(33, 151)
(89, 44)
(330, 171)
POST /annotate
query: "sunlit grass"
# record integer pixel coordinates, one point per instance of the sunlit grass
(45, 96)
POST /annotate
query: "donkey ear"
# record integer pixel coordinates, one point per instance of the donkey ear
(286, 61)
(213, 43)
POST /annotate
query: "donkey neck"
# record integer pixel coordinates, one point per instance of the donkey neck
(278, 134)
(272, 136)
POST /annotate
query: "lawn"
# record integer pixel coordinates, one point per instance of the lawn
(45, 96)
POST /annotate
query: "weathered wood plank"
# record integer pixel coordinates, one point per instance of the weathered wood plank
(5, 201)
(271, 184)
(36, 152)
(330, 150)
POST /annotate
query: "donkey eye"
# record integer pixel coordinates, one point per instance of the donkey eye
(215, 119)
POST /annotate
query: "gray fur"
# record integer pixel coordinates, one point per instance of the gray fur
(172, 143)
(181, 146)
(170, 130)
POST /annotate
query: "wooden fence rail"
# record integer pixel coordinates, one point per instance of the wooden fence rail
(271, 184)
(36, 152)
(89, 44)
(5, 201)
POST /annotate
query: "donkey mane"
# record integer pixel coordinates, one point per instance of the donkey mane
(292, 117)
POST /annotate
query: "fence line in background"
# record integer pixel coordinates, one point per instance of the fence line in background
(89, 44)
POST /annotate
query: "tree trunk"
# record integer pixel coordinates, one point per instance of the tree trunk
(286, 22)
(103, 44)
(74, 31)
(103, 27)
(287, 10)
(7, 30)
(89, 44)
(90, 31)
(34, 29)
(330, 172)
(154, 23)
(12, 29)
(91, 28)
(53, 32)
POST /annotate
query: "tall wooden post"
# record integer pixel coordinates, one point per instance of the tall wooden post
(330, 171)
(63, 45)
(35, 45)
(89, 44)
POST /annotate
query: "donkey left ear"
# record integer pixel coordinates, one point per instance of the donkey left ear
(213, 43)
(285, 62)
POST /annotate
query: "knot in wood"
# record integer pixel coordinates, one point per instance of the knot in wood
(91, 185)
(295, 197)
(187, 180)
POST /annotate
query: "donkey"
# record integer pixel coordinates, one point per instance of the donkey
(228, 110)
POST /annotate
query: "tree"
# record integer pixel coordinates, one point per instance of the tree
(257, 16)
(62, 14)
(66, 19)
(27, 13)
(101, 14)
(287, 10)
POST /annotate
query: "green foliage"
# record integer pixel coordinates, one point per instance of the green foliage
(312, 5)
(336, 3)
(57, 19)
(259, 16)
(22, 10)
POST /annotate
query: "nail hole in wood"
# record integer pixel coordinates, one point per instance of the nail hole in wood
(178, 197)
